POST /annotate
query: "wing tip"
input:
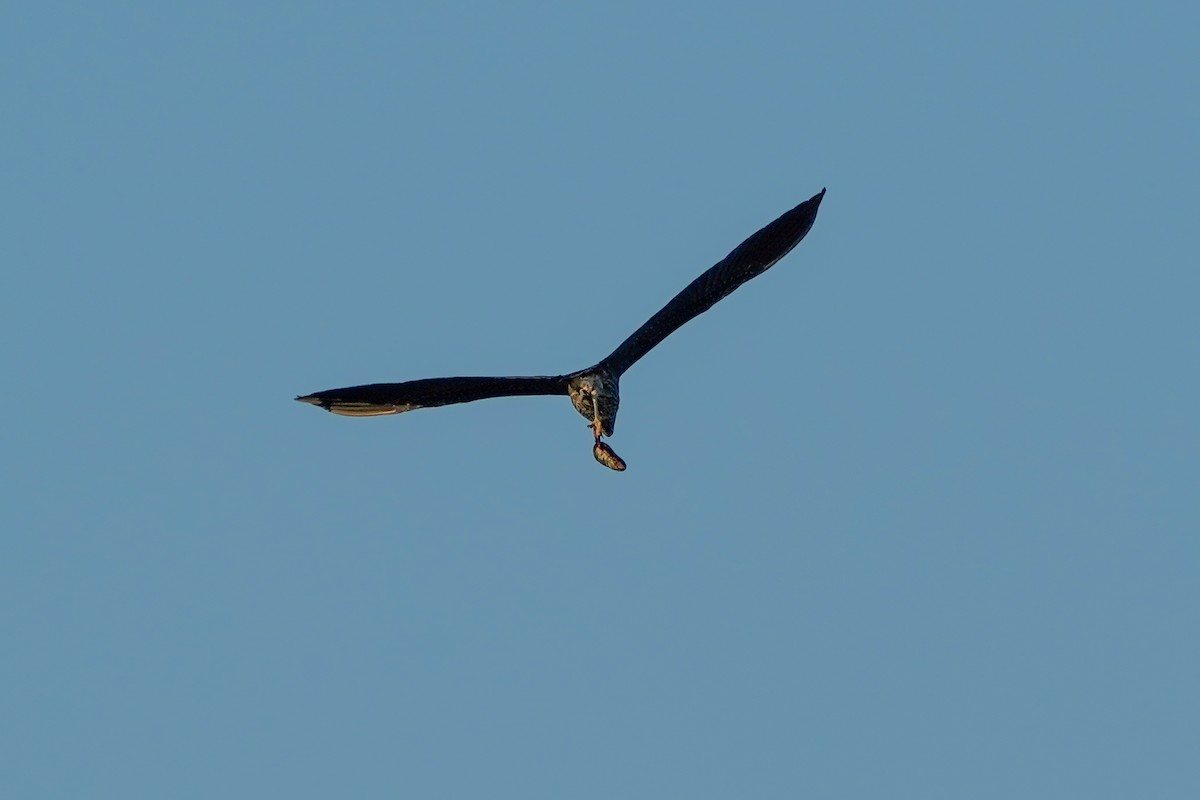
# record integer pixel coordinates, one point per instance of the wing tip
(312, 399)
(343, 407)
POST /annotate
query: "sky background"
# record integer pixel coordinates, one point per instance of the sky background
(914, 514)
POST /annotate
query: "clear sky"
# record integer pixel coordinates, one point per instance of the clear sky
(914, 514)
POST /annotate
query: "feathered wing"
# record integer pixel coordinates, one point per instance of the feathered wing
(752, 257)
(375, 399)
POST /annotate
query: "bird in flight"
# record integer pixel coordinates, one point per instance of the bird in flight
(594, 390)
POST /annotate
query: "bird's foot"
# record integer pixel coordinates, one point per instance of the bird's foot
(602, 452)
(605, 455)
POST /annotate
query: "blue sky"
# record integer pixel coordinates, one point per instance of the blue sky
(912, 515)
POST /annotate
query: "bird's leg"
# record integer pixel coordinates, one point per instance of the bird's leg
(597, 427)
(603, 453)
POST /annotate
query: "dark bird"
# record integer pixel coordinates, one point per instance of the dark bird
(594, 390)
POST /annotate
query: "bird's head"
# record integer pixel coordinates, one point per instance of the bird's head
(595, 395)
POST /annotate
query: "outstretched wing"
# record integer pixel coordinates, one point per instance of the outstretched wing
(752, 257)
(393, 398)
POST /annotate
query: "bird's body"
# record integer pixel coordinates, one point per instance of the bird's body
(593, 391)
